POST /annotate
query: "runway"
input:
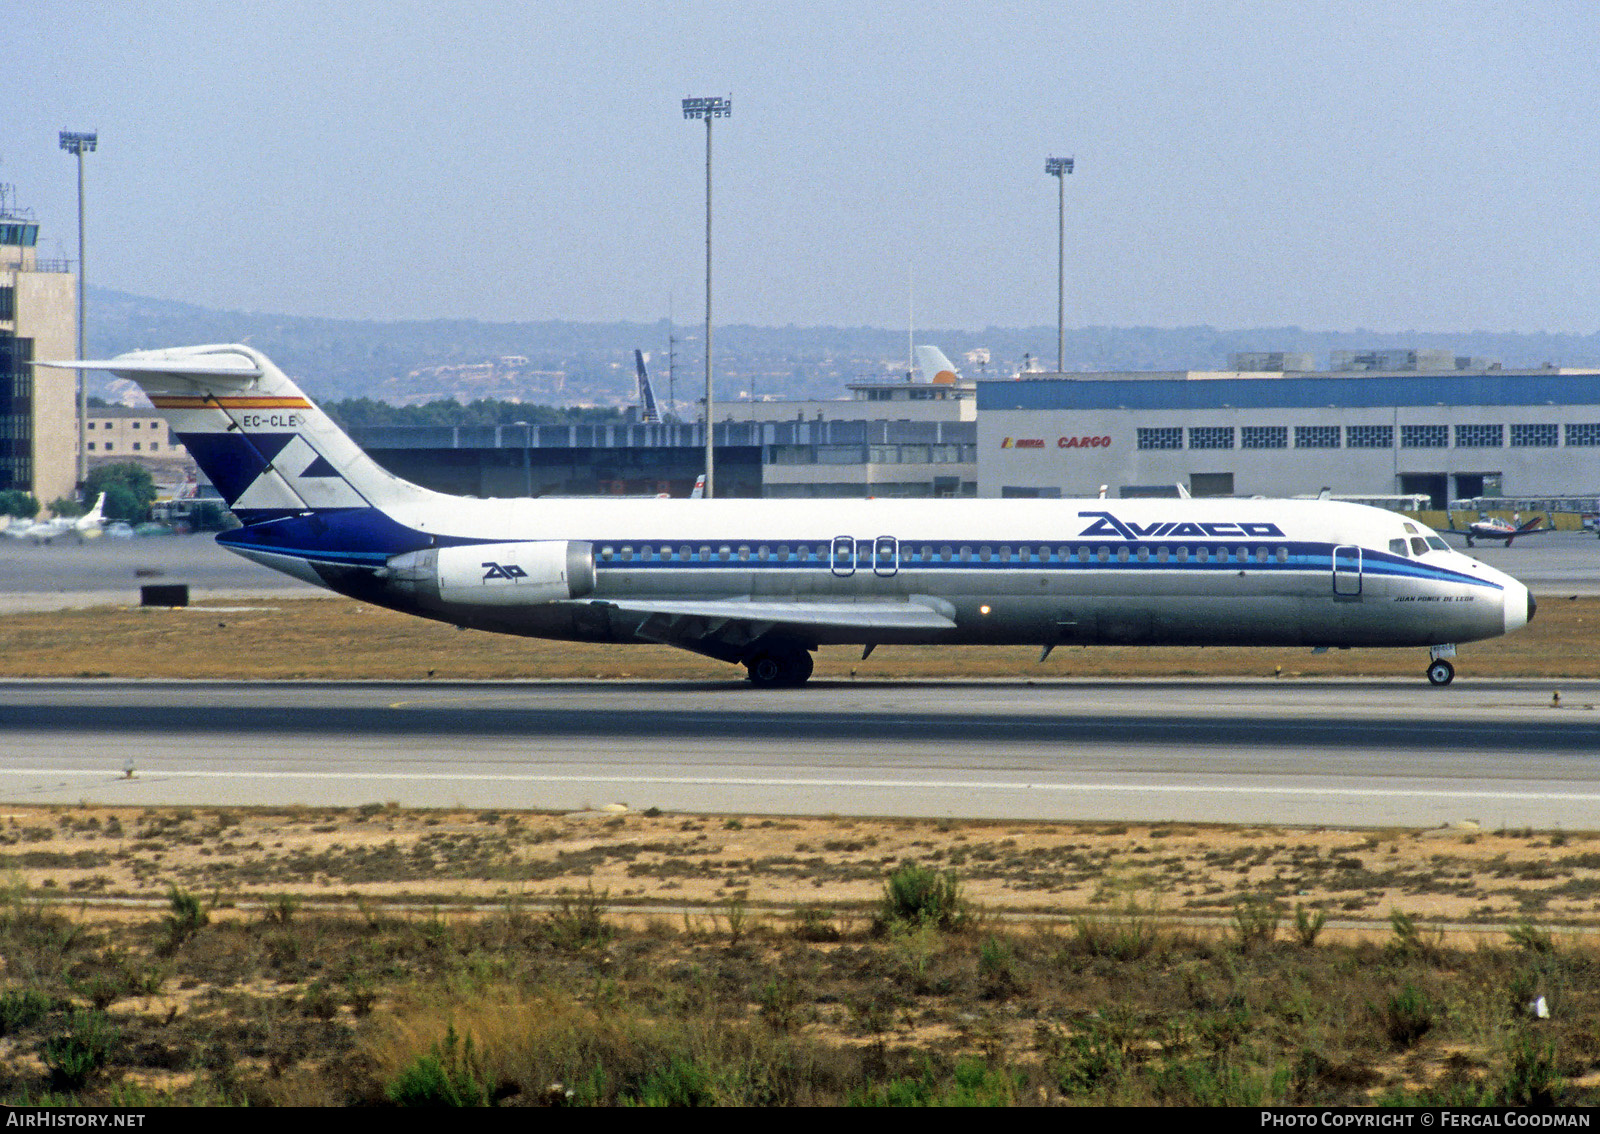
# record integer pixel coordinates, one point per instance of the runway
(1352, 753)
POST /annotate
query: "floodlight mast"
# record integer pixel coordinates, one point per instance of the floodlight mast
(708, 109)
(79, 144)
(1059, 168)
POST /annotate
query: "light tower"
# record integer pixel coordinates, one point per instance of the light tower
(1058, 168)
(78, 145)
(708, 109)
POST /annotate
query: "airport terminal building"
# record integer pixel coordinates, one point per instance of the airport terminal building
(1409, 428)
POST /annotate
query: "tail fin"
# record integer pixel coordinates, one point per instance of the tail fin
(935, 366)
(267, 448)
(647, 396)
(94, 517)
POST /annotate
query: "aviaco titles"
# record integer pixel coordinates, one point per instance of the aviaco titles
(764, 583)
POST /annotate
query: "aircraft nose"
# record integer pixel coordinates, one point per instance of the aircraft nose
(1519, 605)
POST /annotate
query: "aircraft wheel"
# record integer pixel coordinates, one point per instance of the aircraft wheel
(777, 668)
(1441, 672)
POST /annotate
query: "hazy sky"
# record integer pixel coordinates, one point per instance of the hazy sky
(1333, 165)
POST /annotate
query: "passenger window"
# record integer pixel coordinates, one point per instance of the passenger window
(983, 553)
(1283, 555)
(627, 552)
(1162, 554)
(1144, 555)
(763, 553)
(944, 553)
(1083, 555)
(1202, 554)
(1261, 555)
(744, 553)
(1103, 554)
(966, 555)
(605, 553)
(705, 553)
(1183, 555)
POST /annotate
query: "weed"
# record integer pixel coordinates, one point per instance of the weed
(281, 909)
(738, 921)
(578, 922)
(815, 923)
(1089, 1059)
(997, 968)
(446, 1076)
(1531, 939)
(1408, 1016)
(1408, 941)
(1130, 936)
(1308, 924)
(22, 1008)
(76, 1054)
(971, 1082)
(921, 895)
(186, 918)
(779, 1000)
(1255, 921)
(1531, 1077)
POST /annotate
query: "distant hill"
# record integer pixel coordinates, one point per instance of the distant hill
(561, 363)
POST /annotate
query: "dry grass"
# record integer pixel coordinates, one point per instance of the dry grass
(336, 638)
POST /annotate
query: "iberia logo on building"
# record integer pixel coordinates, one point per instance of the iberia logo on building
(1023, 443)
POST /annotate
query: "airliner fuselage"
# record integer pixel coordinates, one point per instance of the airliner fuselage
(764, 582)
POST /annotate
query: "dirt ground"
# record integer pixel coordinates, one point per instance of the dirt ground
(336, 638)
(653, 863)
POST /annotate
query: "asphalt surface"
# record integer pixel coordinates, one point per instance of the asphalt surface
(1336, 753)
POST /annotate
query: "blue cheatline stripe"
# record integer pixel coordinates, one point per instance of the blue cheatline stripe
(1302, 557)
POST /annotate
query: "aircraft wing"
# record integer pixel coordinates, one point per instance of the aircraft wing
(724, 628)
(799, 614)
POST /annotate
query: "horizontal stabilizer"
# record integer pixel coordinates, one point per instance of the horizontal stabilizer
(203, 366)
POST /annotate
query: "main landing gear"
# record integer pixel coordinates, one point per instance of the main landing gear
(778, 666)
(1440, 671)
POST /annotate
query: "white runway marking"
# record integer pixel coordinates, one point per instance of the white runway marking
(153, 775)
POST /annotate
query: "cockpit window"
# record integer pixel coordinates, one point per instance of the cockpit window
(1397, 547)
(1438, 544)
(1419, 546)
(1410, 527)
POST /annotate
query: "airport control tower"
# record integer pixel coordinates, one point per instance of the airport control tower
(38, 430)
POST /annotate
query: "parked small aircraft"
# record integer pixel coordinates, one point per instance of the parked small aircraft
(1507, 530)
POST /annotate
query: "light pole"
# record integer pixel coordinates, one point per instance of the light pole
(78, 145)
(708, 108)
(1059, 167)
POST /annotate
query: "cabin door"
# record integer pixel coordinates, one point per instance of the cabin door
(1347, 572)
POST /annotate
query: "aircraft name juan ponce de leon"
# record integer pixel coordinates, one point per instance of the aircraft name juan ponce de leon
(763, 583)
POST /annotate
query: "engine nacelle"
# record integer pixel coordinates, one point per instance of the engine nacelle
(498, 574)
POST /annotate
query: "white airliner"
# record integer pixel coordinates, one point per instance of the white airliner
(763, 583)
(86, 526)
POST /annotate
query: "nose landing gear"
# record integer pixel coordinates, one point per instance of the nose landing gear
(1440, 671)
